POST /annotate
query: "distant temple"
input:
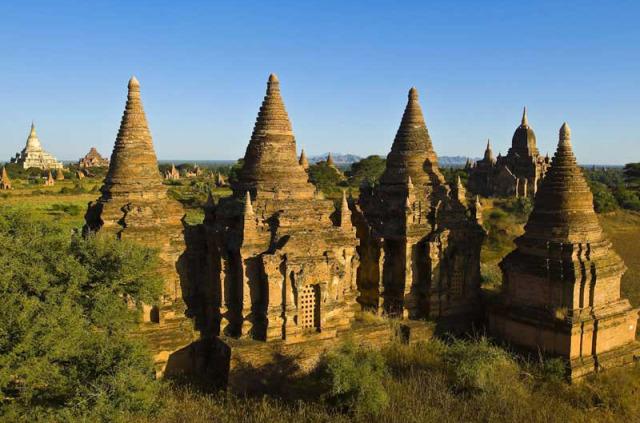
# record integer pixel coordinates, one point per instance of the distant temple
(561, 285)
(93, 159)
(5, 182)
(172, 173)
(518, 174)
(420, 241)
(49, 182)
(34, 156)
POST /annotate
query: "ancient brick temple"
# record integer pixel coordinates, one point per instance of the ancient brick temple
(92, 159)
(134, 203)
(561, 285)
(33, 155)
(420, 241)
(5, 182)
(281, 260)
(519, 173)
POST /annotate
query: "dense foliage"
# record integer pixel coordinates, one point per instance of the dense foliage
(325, 178)
(613, 189)
(67, 305)
(370, 168)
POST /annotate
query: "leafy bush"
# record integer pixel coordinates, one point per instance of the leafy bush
(371, 168)
(352, 378)
(477, 365)
(65, 304)
(325, 178)
(491, 275)
(67, 208)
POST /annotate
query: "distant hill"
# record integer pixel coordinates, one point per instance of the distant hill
(338, 159)
(455, 160)
(349, 159)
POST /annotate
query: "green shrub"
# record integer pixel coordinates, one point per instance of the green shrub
(477, 365)
(491, 275)
(65, 304)
(352, 378)
(67, 208)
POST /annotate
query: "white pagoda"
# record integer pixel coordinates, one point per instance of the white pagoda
(34, 156)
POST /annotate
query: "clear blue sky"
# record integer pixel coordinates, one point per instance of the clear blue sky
(344, 68)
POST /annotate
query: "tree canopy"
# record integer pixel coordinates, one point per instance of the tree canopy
(67, 304)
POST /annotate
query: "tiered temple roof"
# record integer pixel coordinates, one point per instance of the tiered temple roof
(524, 139)
(412, 154)
(93, 159)
(33, 155)
(271, 165)
(561, 289)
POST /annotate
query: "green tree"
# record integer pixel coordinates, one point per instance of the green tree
(631, 174)
(67, 305)
(371, 167)
(325, 178)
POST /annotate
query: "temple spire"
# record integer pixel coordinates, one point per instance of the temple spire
(525, 120)
(303, 160)
(488, 153)
(565, 135)
(133, 169)
(248, 208)
(412, 152)
(563, 208)
(271, 163)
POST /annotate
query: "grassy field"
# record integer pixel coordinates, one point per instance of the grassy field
(623, 229)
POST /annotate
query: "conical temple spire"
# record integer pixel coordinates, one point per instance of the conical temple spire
(303, 160)
(565, 135)
(344, 204)
(523, 141)
(330, 161)
(488, 153)
(563, 209)
(33, 142)
(134, 167)
(412, 152)
(248, 208)
(4, 176)
(270, 163)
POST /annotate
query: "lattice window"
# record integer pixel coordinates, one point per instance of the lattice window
(308, 307)
(457, 279)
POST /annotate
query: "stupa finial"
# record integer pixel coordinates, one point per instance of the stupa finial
(248, 208)
(565, 135)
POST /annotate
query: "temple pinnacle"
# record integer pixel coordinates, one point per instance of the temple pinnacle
(565, 134)
(330, 161)
(413, 94)
(303, 160)
(525, 120)
(134, 83)
(273, 78)
(248, 208)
